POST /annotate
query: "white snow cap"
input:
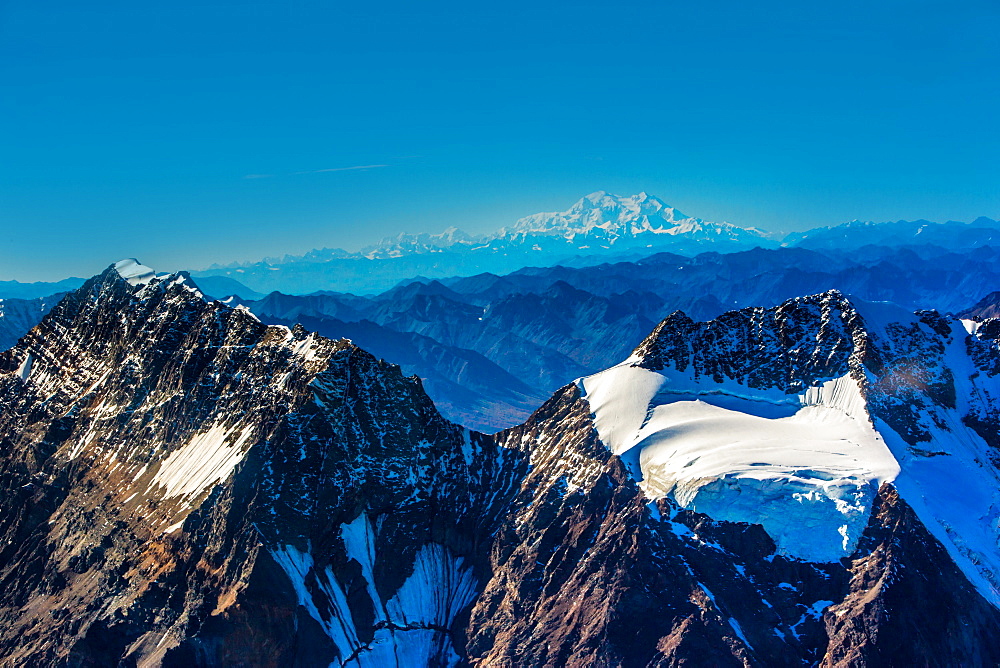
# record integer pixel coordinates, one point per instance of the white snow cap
(139, 275)
(806, 467)
(621, 216)
(133, 272)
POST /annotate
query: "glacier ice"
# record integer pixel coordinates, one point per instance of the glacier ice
(806, 467)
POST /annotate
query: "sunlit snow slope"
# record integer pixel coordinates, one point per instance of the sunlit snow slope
(806, 467)
(718, 418)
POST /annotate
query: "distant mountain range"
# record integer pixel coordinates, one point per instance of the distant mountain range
(505, 342)
(18, 290)
(598, 229)
(856, 234)
(17, 316)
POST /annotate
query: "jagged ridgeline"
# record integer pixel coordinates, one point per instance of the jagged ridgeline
(183, 485)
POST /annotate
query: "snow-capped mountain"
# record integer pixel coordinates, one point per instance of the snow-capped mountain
(596, 223)
(609, 219)
(815, 483)
(597, 228)
(793, 417)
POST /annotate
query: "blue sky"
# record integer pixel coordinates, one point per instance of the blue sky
(189, 133)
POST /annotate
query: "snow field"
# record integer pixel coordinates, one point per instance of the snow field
(806, 467)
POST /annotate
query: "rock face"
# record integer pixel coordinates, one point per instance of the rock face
(181, 484)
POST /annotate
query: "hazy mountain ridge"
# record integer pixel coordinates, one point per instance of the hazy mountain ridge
(599, 228)
(951, 234)
(17, 316)
(596, 227)
(37, 290)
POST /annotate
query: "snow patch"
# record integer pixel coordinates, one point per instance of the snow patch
(325, 600)
(404, 649)
(440, 586)
(173, 527)
(359, 541)
(207, 459)
(24, 371)
(133, 272)
(430, 599)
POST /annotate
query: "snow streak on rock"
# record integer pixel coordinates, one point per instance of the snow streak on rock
(206, 459)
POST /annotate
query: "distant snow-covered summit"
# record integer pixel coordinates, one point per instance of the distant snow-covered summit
(595, 223)
(405, 243)
(597, 229)
(614, 218)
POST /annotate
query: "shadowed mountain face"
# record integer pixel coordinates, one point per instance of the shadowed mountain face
(547, 326)
(491, 348)
(184, 485)
(17, 316)
(985, 308)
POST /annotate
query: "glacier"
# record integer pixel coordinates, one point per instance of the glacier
(805, 467)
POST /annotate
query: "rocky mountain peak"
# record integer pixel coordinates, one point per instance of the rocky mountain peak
(790, 346)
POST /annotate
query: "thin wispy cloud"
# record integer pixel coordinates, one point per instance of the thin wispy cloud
(352, 168)
(342, 169)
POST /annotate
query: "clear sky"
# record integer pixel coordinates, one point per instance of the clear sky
(185, 133)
